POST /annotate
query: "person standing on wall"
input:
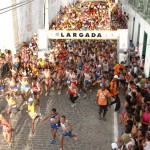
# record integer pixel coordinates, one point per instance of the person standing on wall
(102, 96)
(114, 92)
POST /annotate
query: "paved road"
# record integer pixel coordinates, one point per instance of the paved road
(94, 134)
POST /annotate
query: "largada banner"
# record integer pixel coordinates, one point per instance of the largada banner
(54, 34)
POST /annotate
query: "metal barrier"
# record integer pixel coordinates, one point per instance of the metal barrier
(4, 70)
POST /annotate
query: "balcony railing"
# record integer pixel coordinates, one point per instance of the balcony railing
(142, 7)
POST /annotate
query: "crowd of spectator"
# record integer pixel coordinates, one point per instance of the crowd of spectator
(91, 16)
(135, 115)
(97, 62)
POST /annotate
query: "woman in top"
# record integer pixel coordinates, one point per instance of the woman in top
(6, 130)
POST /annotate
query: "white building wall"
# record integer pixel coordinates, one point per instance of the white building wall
(6, 27)
(18, 25)
(54, 8)
(27, 19)
(145, 27)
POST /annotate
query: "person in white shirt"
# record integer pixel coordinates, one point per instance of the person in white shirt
(146, 145)
(135, 68)
(125, 57)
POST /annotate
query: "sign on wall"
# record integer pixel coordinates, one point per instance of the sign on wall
(42, 39)
(123, 39)
(64, 34)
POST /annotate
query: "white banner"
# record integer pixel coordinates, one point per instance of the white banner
(42, 39)
(54, 34)
(123, 39)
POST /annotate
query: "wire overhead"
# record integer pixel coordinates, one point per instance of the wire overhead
(27, 2)
(14, 5)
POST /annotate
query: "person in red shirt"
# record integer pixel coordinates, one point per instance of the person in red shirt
(73, 93)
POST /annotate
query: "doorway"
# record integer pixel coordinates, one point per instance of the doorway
(133, 28)
(144, 44)
(138, 36)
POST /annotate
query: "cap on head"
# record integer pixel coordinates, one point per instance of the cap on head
(116, 77)
(114, 146)
(30, 100)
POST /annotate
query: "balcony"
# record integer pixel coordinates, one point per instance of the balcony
(142, 7)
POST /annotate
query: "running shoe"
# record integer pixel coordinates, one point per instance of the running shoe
(59, 92)
(52, 141)
(52, 88)
(104, 119)
(85, 95)
(46, 94)
(73, 105)
(76, 137)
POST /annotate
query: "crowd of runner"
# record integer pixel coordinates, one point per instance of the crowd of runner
(79, 66)
(91, 16)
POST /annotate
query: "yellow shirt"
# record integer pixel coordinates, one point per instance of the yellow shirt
(11, 101)
(41, 62)
(31, 108)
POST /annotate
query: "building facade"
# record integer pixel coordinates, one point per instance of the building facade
(139, 27)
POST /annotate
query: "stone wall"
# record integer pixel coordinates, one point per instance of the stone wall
(19, 24)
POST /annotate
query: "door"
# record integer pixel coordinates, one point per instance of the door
(133, 28)
(144, 44)
(138, 36)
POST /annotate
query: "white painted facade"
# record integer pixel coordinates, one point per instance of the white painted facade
(18, 25)
(6, 27)
(145, 27)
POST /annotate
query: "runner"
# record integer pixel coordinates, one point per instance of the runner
(66, 131)
(12, 105)
(54, 123)
(6, 130)
(102, 98)
(87, 81)
(46, 76)
(2, 87)
(13, 88)
(36, 90)
(25, 87)
(73, 93)
(34, 113)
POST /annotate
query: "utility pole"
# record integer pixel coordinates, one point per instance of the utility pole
(46, 16)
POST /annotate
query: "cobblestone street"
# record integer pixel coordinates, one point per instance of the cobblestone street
(94, 134)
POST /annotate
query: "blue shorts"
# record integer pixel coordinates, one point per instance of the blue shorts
(13, 108)
(66, 79)
(16, 66)
(25, 88)
(80, 67)
(15, 88)
(54, 126)
(78, 76)
(86, 82)
(2, 88)
(96, 77)
(67, 134)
